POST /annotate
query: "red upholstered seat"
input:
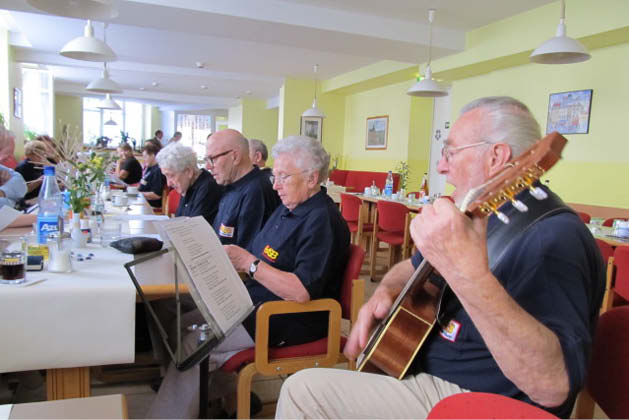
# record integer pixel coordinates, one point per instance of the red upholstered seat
(338, 176)
(392, 238)
(173, 202)
(605, 248)
(584, 217)
(482, 405)
(610, 222)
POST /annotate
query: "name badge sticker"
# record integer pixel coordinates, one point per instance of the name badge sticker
(226, 231)
(450, 331)
(270, 254)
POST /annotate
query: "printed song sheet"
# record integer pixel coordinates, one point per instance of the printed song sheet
(211, 272)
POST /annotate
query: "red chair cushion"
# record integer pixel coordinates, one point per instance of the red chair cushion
(605, 248)
(353, 227)
(393, 238)
(338, 176)
(621, 261)
(173, 201)
(482, 405)
(610, 222)
(350, 207)
(352, 272)
(300, 350)
(391, 216)
(585, 218)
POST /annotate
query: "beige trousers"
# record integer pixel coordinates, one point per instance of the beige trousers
(335, 393)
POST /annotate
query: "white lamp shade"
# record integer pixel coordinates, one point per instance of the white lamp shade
(108, 103)
(88, 48)
(104, 85)
(560, 50)
(313, 111)
(427, 87)
(81, 9)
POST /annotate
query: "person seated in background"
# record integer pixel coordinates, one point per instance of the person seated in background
(200, 194)
(12, 187)
(300, 254)
(175, 138)
(51, 148)
(153, 181)
(249, 198)
(521, 327)
(259, 154)
(155, 143)
(159, 137)
(32, 167)
(7, 148)
(128, 169)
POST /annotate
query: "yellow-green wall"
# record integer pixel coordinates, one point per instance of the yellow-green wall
(68, 112)
(10, 78)
(258, 122)
(156, 121)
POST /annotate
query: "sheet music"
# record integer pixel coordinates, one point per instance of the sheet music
(210, 269)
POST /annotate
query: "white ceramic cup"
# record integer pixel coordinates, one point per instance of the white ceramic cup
(132, 190)
(120, 200)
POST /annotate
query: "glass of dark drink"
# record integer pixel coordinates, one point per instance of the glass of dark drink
(12, 260)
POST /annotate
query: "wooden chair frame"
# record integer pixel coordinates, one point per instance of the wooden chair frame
(269, 367)
(608, 297)
(405, 247)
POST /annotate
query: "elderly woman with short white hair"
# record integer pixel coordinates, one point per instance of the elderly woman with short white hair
(200, 194)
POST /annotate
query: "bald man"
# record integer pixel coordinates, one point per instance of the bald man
(249, 198)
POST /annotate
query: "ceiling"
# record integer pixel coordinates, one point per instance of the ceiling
(247, 47)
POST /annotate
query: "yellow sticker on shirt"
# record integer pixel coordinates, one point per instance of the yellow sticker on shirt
(226, 231)
(270, 253)
(450, 331)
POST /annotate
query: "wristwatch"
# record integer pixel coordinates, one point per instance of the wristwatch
(253, 268)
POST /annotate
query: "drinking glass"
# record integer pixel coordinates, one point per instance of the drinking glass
(110, 232)
(12, 260)
(60, 257)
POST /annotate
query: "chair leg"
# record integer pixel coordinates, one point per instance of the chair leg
(392, 252)
(372, 256)
(245, 377)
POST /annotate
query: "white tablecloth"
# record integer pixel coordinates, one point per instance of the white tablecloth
(83, 318)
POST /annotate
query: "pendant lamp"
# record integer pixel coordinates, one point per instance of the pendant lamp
(88, 47)
(560, 49)
(108, 103)
(80, 9)
(313, 111)
(104, 84)
(110, 121)
(427, 87)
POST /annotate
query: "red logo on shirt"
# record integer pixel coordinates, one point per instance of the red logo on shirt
(270, 253)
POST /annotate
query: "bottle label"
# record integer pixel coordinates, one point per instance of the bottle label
(388, 190)
(45, 226)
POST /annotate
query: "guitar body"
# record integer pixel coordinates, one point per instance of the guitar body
(403, 334)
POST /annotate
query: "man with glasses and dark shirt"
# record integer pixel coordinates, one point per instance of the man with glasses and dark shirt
(249, 198)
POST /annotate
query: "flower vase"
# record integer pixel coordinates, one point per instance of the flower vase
(79, 239)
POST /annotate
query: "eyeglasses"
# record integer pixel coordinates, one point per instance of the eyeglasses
(448, 151)
(212, 159)
(281, 179)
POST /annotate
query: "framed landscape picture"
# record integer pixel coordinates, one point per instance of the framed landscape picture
(311, 127)
(569, 112)
(377, 128)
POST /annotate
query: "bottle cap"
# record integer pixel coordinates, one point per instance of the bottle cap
(49, 170)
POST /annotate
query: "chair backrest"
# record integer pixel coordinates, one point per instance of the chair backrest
(608, 374)
(173, 201)
(482, 405)
(352, 272)
(391, 216)
(610, 222)
(350, 207)
(606, 249)
(584, 217)
(621, 266)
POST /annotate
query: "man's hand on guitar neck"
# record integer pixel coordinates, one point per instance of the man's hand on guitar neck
(377, 307)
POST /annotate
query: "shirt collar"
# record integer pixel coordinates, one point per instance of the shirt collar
(254, 172)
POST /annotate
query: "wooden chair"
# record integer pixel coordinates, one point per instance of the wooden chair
(391, 225)
(482, 405)
(352, 211)
(608, 373)
(610, 222)
(269, 361)
(584, 217)
(617, 280)
(606, 249)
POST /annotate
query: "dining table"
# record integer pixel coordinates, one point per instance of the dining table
(66, 322)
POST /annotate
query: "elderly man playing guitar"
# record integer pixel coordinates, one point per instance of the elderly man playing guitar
(519, 291)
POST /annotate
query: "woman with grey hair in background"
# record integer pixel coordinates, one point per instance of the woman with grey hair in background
(299, 255)
(200, 194)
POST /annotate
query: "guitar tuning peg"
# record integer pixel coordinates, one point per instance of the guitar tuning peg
(502, 217)
(520, 206)
(538, 193)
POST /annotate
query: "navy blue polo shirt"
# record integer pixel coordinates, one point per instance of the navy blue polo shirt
(312, 242)
(202, 198)
(554, 272)
(153, 181)
(244, 208)
(134, 169)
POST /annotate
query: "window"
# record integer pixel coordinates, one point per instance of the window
(100, 122)
(194, 129)
(37, 100)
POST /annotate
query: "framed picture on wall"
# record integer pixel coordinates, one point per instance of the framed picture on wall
(569, 112)
(377, 128)
(17, 102)
(311, 127)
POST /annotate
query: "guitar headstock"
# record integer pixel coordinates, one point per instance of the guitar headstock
(519, 174)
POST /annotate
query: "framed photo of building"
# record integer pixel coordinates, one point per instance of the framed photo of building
(311, 127)
(377, 128)
(569, 112)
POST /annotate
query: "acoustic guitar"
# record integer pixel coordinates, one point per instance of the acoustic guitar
(397, 339)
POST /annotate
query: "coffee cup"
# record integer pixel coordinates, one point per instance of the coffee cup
(132, 190)
(367, 191)
(120, 200)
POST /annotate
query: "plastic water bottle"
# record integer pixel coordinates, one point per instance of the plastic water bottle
(388, 186)
(49, 218)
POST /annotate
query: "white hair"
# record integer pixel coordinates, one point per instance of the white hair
(177, 157)
(308, 154)
(507, 121)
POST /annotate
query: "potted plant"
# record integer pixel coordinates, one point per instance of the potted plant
(404, 171)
